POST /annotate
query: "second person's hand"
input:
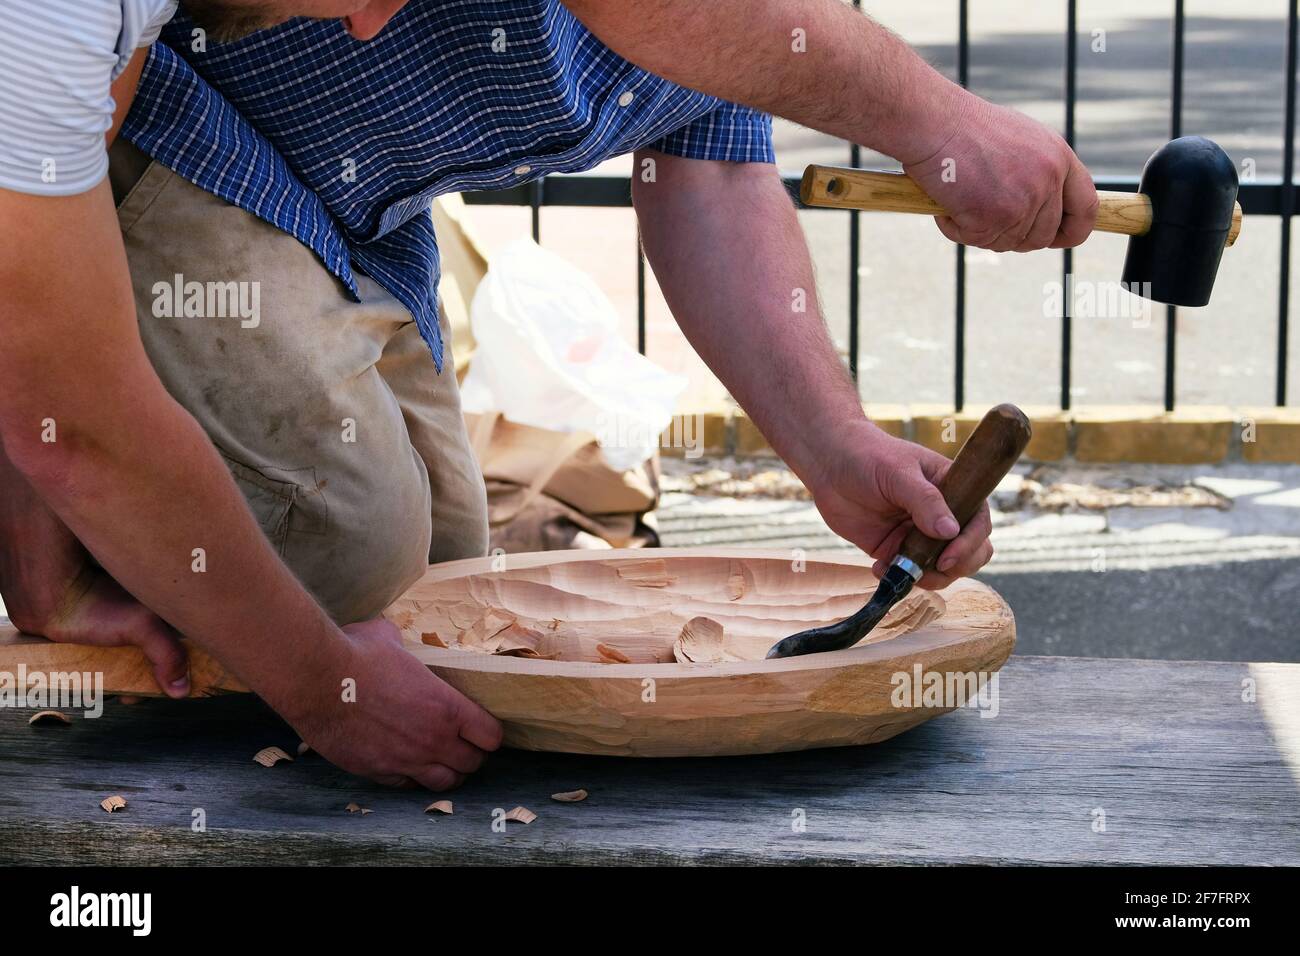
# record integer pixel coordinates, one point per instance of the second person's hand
(386, 717)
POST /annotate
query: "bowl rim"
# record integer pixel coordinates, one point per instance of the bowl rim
(924, 639)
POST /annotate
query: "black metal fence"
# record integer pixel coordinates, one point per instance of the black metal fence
(1272, 198)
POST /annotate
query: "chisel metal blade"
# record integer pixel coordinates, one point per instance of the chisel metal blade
(893, 587)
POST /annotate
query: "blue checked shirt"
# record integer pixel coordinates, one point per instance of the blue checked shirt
(344, 144)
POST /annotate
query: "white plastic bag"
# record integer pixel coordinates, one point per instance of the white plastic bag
(549, 354)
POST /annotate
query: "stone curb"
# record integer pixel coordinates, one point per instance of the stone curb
(1097, 434)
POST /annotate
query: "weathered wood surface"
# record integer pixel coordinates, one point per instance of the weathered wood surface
(1185, 771)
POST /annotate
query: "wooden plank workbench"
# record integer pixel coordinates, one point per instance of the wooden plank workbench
(1184, 770)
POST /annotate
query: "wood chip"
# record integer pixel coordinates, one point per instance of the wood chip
(521, 815)
(432, 639)
(484, 634)
(570, 796)
(701, 643)
(112, 803)
(270, 756)
(529, 653)
(49, 717)
(442, 806)
(612, 655)
(648, 573)
(740, 580)
(357, 808)
(517, 640)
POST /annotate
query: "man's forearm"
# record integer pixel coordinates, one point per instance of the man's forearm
(844, 74)
(87, 423)
(728, 253)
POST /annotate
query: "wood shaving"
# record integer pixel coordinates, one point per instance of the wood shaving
(740, 580)
(270, 756)
(442, 806)
(483, 634)
(357, 808)
(570, 796)
(612, 655)
(648, 573)
(49, 717)
(432, 639)
(528, 653)
(701, 643)
(519, 641)
(112, 803)
(521, 815)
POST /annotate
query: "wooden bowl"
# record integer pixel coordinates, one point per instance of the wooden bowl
(582, 610)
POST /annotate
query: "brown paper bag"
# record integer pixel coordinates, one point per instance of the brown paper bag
(550, 490)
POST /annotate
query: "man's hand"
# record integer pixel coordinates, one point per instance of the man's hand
(875, 487)
(94, 609)
(403, 726)
(1009, 183)
(53, 588)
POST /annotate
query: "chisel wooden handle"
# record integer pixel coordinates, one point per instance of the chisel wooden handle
(833, 187)
(981, 463)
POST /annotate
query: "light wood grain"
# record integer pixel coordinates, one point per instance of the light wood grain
(833, 187)
(637, 603)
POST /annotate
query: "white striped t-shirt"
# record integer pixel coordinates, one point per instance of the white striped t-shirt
(58, 59)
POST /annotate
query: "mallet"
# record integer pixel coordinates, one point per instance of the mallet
(1184, 214)
(981, 463)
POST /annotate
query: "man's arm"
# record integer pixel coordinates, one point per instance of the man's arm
(51, 583)
(86, 422)
(726, 248)
(1008, 182)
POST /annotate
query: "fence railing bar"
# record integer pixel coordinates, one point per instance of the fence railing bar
(855, 243)
(1287, 202)
(640, 293)
(1067, 257)
(1175, 131)
(959, 303)
(537, 199)
(1260, 198)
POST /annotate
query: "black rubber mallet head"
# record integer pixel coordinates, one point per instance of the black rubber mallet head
(1184, 215)
(1191, 186)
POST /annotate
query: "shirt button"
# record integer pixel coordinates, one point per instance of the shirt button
(626, 99)
(523, 170)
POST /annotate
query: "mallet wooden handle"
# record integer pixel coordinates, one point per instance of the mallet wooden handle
(833, 187)
(981, 463)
